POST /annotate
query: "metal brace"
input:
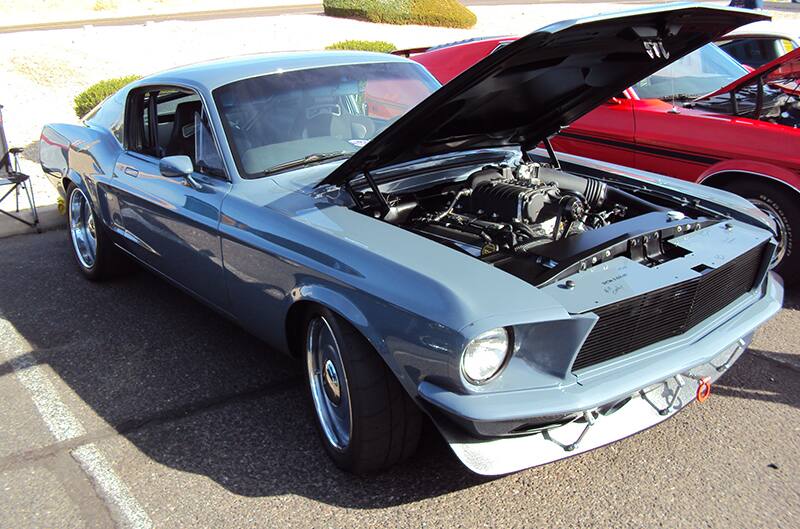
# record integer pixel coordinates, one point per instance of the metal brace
(742, 345)
(665, 411)
(590, 421)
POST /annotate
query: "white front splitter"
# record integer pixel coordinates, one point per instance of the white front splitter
(646, 408)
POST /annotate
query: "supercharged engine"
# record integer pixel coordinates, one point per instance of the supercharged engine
(516, 209)
(541, 223)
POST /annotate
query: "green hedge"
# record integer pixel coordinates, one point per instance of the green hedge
(363, 45)
(447, 13)
(96, 94)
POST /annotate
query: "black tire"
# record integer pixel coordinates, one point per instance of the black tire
(108, 259)
(386, 423)
(784, 204)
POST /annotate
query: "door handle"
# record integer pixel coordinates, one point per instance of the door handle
(131, 171)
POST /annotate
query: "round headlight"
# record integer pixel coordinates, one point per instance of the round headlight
(485, 354)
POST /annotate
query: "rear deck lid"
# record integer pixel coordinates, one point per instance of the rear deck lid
(529, 89)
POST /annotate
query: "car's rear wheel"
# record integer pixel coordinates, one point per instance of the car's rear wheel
(781, 205)
(366, 420)
(95, 253)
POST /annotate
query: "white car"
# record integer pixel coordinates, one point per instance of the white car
(756, 44)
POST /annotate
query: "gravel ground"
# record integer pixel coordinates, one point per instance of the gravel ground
(14, 12)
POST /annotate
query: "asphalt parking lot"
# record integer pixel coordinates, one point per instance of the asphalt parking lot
(128, 403)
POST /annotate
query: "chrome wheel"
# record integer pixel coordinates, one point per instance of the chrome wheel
(328, 383)
(773, 214)
(82, 229)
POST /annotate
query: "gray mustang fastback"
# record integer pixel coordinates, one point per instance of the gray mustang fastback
(423, 250)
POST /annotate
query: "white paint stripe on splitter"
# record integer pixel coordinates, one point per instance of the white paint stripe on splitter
(65, 426)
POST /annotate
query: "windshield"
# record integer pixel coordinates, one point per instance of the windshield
(699, 73)
(284, 120)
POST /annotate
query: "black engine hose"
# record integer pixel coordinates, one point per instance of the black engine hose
(593, 191)
(617, 195)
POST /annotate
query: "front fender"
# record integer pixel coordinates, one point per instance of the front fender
(411, 346)
(338, 246)
(714, 175)
(415, 300)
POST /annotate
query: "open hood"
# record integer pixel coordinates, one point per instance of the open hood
(783, 72)
(529, 89)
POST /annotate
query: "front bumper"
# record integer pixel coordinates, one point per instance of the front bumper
(656, 388)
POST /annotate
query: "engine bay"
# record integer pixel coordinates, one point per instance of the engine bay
(502, 210)
(541, 223)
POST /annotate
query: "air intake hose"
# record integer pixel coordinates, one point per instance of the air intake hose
(593, 191)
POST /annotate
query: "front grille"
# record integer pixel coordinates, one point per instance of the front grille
(643, 320)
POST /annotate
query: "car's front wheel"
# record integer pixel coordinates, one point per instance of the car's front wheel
(782, 207)
(95, 253)
(366, 420)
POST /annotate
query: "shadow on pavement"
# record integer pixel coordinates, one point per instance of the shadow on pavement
(753, 377)
(196, 393)
(188, 388)
(792, 298)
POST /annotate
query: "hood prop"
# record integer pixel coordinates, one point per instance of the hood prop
(385, 208)
(551, 153)
(526, 155)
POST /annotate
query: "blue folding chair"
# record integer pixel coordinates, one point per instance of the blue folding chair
(10, 175)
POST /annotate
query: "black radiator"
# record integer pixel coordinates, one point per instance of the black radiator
(643, 320)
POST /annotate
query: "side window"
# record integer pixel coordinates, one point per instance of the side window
(109, 114)
(170, 122)
(208, 159)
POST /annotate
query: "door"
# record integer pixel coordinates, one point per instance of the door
(676, 141)
(172, 223)
(606, 133)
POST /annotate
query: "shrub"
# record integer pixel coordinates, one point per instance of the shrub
(447, 13)
(363, 45)
(103, 5)
(96, 94)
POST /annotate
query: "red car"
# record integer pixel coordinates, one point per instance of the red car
(704, 118)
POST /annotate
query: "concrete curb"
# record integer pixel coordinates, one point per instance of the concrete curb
(49, 219)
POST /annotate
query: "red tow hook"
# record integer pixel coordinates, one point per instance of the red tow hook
(703, 389)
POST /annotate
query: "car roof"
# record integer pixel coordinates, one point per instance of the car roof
(215, 73)
(767, 28)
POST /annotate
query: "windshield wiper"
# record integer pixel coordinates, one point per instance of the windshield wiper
(307, 160)
(680, 97)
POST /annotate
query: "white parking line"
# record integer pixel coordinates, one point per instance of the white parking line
(55, 414)
(114, 491)
(64, 426)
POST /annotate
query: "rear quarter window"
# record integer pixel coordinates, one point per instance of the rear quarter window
(110, 114)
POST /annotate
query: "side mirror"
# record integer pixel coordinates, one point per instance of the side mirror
(174, 166)
(179, 166)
